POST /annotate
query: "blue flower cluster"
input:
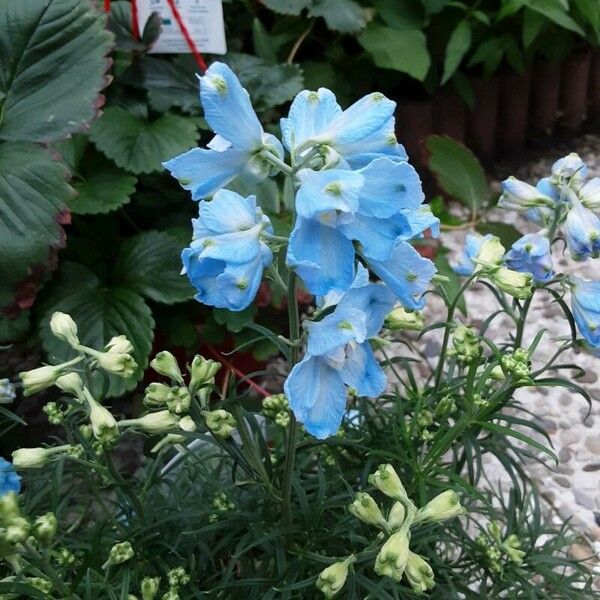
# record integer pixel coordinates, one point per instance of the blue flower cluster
(566, 202)
(358, 202)
(9, 480)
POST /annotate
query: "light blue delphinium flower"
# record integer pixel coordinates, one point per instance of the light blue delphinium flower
(9, 480)
(353, 137)
(531, 254)
(585, 303)
(226, 257)
(236, 149)
(569, 170)
(589, 194)
(338, 354)
(582, 230)
(520, 196)
(378, 206)
(473, 242)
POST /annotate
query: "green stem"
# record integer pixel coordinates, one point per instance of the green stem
(522, 320)
(276, 161)
(290, 450)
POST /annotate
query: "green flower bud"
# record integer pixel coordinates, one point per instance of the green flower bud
(397, 517)
(282, 419)
(202, 372)
(187, 424)
(393, 556)
(116, 363)
(490, 254)
(519, 285)
(273, 405)
(9, 507)
(39, 379)
(179, 401)
(55, 414)
(401, 319)
(157, 394)
(425, 418)
(17, 530)
(386, 480)
(119, 345)
(104, 425)
(165, 364)
(64, 328)
(31, 458)
(497, 373)
(149, 587)
(220, 422)
(332, 579)
(156, 422)
(171, 595)
(86, 431)
(222, 503)
(7, 392)
(444, 506)
(44, 528)
(512, 547)
(41, 584)
(119, 553)
(70, 383)
(466, 344)
(178, 577)
(367, 510)
(446, 406)
(419, 573)
(65, 557)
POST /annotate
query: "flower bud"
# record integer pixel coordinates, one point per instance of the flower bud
(332, 579)
(44, 528)
(386, 480)
(367, 510)
(589, 194)
(39, 379)
(490, 254)
(119, 344)
(86, 431)
(446, 406)
(466, 344)
(17, 530)
(569, 169)
(157, 394)
(41, 584)
(520, 196)
(70, 383)
(7, 392)
(31, 458)
(64, 328)
(401, 319)
(104, 425)
(156, 422)
(165, 364)
(9, 507)
(116, 363)
(444, 506)
(177, 577)
(419, 573)
(171, 595)
(516, 284)
(202, 372)
(119, 553)
(273, 405)
(179, 400)
(149, 587)
(392, 558)
(187, 423)
(396, 517)
(220, 422)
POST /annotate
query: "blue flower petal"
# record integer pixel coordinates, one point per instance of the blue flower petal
(585, 302)
(376, 236)
(228, 110)
(228, 212)
(407, 274)
(328, 195)
(322, 257)
(531, 254)
(344, 325)
(473, 243)
(203, 172)
(317, 396)
(582, 232)
(362, 372)
(9, 480)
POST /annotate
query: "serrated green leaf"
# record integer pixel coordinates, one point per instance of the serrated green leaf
(119, 23)
(172, 83)
(404, 51)
(458, 171)
(33, 196)
(150, 264)
(287, 7)
(341, 15)
(52, 67)
(458, 45)
(103, 187)
(101, 312)
(507, 233)
(139, 145)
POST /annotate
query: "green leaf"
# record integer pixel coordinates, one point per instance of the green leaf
(507, 233)
(404, 51)
(14, 329)
(533, 23)
(139, 145)
(555, 11)
(101, 312)
(119, 23)
(458, 171)
(172, 83)
(52, 67)
(33, 196)
(235, 321)
(263, 44)
(150, 264)
(401, 14)
(287, 7)
(452, 286)
(490, 53)
(341, 15)
(458, 45)
(102, 186)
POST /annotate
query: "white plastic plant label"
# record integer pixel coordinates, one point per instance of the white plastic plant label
(203, 20)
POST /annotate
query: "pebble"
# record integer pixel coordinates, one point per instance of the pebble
(562, 481)
(565, 454)
(569, 437)
(584, 499)
(591, 468)
(592, 443)
(565, 400)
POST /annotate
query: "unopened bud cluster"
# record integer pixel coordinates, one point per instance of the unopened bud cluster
(276, 407)
(466, 345)
(499, 551)
(222, 504)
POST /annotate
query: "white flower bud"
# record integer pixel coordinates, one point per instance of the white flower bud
(490, 254)
(39, 379)
(220, 422)
(44, 528)
(116, 363)
(393, 556)
(367, 510)
(31, 458)
(70, 383)
(386, 480)
(519, 285)
(202, 372)
(156, 422)
(119, 553)
(64, 328)
(443, 507)
(401, 319)
(119, 345)
(397, 516)
(419, 573)
(149, 587)
(332, 579)
(104, 425)
(165, 364)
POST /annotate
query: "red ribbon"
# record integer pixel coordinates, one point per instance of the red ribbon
(182, 26)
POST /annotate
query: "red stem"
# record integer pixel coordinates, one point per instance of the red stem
(188, 38)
